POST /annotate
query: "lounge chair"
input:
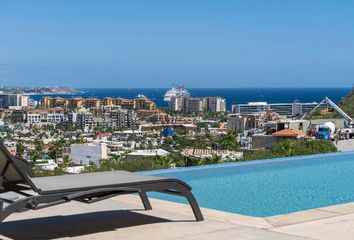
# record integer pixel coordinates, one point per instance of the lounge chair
(22, 190)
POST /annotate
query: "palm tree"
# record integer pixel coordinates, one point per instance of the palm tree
(285, 147)
(163, 161)
(229, 141)
(214, 159)
(66, 162)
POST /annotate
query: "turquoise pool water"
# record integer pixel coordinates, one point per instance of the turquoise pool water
(269, 187)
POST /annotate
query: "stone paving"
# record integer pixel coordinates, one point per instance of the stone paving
(124, 218)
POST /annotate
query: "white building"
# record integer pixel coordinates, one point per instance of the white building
(286, 109)
(191, 104)
(52, 115)
(149, 153)
(194, 105)
(215, 104)
(84, 154)
(241, 122)
(46, 164)
(124, 135)
(177, 103)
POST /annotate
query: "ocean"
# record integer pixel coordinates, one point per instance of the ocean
(232, 95)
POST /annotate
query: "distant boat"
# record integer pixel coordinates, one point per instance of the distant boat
(175, 92)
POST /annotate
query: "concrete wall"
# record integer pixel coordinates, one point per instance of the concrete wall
(262, 141)
(83, 154)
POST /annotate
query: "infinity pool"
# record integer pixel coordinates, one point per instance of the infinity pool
(269, 187)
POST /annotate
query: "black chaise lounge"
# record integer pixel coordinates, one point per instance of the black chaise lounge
(22, 190)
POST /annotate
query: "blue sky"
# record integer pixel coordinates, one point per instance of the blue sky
(248, 43)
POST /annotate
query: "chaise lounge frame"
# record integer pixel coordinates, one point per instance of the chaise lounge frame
(17, 176)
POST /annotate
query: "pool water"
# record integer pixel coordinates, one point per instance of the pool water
(269, 187)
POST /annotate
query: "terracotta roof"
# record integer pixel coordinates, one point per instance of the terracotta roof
(288, 132)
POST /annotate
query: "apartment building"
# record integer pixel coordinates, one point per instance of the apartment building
(72, 103)
(141, 102)
(116, 118)
(241, 122)
(92, 103)
(191, 104)
(51, 115)
(14, 101)
(215, 104)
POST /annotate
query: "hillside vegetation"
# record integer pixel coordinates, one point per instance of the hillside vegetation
(347, 105)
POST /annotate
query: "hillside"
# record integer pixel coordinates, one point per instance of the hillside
(347, 105)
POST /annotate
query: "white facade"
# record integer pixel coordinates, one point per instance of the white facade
(45, 116)
(240, 122)
(124, 135)
(149, 153)
(84, 154)
(215, 104)
(190, 104)
(285, 109)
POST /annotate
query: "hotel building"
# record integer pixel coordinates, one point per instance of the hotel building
(285, 109)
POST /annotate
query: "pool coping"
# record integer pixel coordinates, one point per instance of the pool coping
(243, 163)
(272, 222)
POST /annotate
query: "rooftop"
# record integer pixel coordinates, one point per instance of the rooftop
(288, 132)
(123, 217)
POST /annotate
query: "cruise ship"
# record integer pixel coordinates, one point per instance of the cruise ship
(175, 92)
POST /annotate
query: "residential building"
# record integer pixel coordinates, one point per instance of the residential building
(194, 105)
(241, 122)
(92, 103)
(75, 103)
(289, 133)
(14, 101)
(126, 134)
(143, 102)
(51, 115)
(215, 104)
(138, 154)
(107, 118)
(191, 104)
(84, 154)
(191, 153)
(177, 103)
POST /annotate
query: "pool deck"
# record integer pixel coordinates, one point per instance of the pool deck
(124, 218)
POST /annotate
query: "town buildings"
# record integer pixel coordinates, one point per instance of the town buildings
(71, 103)
(140, 102)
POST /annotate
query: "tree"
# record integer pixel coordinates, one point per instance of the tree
(214, 159)
(229, 141)
(66, 162)
(20, 149)
(285, 147)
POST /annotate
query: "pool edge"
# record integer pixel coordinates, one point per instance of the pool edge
(272, 222)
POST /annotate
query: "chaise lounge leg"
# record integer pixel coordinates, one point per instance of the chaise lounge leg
(194, 205)
(144, 198)
(185, 192)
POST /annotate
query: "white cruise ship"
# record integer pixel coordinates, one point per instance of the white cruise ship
(175, 92)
